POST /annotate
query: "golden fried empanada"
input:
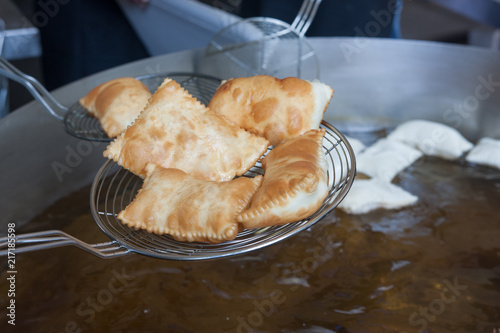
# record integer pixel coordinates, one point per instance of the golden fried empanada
(177, 131)
(273, 108)
(189, 209)
(117, 103)
(295, 183)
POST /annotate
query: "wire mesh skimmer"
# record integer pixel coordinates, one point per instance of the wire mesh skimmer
(114, 188)
(79, 123)
(264, 45)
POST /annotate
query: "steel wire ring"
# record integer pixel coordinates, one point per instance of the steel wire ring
(79, 123)
(121, 185)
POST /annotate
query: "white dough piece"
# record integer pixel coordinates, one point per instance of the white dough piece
(366, 195)
(486, 152)
(432, 138)
(357, 145)
(386, 158)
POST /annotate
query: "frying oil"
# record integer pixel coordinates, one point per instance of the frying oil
(432, 267)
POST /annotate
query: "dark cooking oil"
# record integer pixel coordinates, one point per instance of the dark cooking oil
(433, 267)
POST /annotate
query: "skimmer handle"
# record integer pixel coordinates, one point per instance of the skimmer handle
(2, 35)
(36, 89)
(305, 16)
(55, 238)
(3, 81)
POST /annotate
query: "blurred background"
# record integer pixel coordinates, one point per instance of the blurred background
(48, 42)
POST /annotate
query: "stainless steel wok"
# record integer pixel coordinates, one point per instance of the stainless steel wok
(378, 84)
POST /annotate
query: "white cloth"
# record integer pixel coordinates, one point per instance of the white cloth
(366, 195)
(432, 138)
(486, 152)
(386, 158)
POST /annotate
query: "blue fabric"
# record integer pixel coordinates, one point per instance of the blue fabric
(82, 37)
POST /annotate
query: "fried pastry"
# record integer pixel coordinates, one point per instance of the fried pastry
(189, 209)
(273, 108)
(116, 103)
(295, 183)
(177, 131)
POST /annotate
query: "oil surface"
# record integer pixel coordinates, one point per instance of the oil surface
(433, 267)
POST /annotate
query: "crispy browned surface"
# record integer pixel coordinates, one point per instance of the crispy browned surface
(189, 209)
(294, 183)
(277, 109)
(177, 131)
(117, 103)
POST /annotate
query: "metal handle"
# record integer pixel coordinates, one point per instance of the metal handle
(3, 81)
(2, 35)
(55, 238)
(305, 16)
(36, 89)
